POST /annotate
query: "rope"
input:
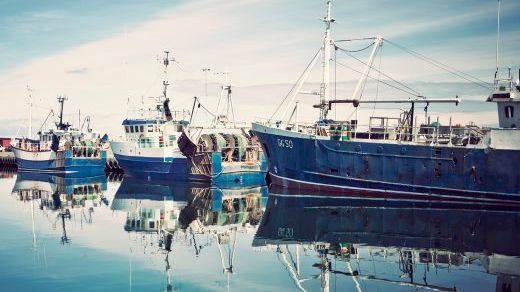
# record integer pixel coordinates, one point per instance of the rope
(204, 108)
(358, 50)
(444, 67)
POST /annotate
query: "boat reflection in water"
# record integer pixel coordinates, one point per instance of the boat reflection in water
(62, 195)
(198, 215)
(414, 245)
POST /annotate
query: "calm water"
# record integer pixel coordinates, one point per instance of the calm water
(98, 235)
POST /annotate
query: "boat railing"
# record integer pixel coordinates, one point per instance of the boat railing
(31, 146)
(248, 154)
(424, 134)
(388, 129)
(85, 151)
(166, 141)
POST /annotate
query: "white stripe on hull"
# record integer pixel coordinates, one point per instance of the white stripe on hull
(426, 195)
(34, 156)
(131, 149)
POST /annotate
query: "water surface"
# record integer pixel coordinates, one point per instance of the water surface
(102, 235)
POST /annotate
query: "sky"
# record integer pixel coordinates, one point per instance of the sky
(104, 55)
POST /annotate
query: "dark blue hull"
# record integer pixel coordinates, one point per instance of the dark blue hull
(153, 167)
(392, 169)
(181, 169)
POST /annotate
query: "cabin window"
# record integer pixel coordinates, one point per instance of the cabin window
(141, 128)
(127, 130)
(131, 129)
(136, 129)
(150, 128)
(510, 111)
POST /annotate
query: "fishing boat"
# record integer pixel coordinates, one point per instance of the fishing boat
(149, 147)
(64, 150)
(223, 152)
(394, 155)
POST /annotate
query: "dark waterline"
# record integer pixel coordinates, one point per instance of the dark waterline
(244, 240)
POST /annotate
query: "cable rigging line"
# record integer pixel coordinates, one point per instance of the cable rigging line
(378, 71)
(386, 83)
(294, 85)
(444, 67)
(204, 108)
(351, 40)
(358, 50)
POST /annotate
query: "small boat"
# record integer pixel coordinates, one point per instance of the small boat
(64, 150)
(149, 147)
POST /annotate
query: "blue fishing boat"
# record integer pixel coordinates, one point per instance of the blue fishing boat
(223, 152)
(166, 146)
(149, 147)
(395, 156)
(64, 150)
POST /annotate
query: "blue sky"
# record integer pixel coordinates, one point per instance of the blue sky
(33, 29)
(105, 52)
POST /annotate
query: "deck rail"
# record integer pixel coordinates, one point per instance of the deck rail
(433, 134)
(248, 154)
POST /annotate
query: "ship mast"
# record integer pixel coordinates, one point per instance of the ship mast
(166, 62)
(61, 125)
(498, 37)
(29, 90)
(166, 100)
(327, 41)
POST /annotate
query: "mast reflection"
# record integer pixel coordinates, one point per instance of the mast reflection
(62, 196)
(412, 238)
(166, 214)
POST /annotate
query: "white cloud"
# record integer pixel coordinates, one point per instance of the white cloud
(225, 36)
